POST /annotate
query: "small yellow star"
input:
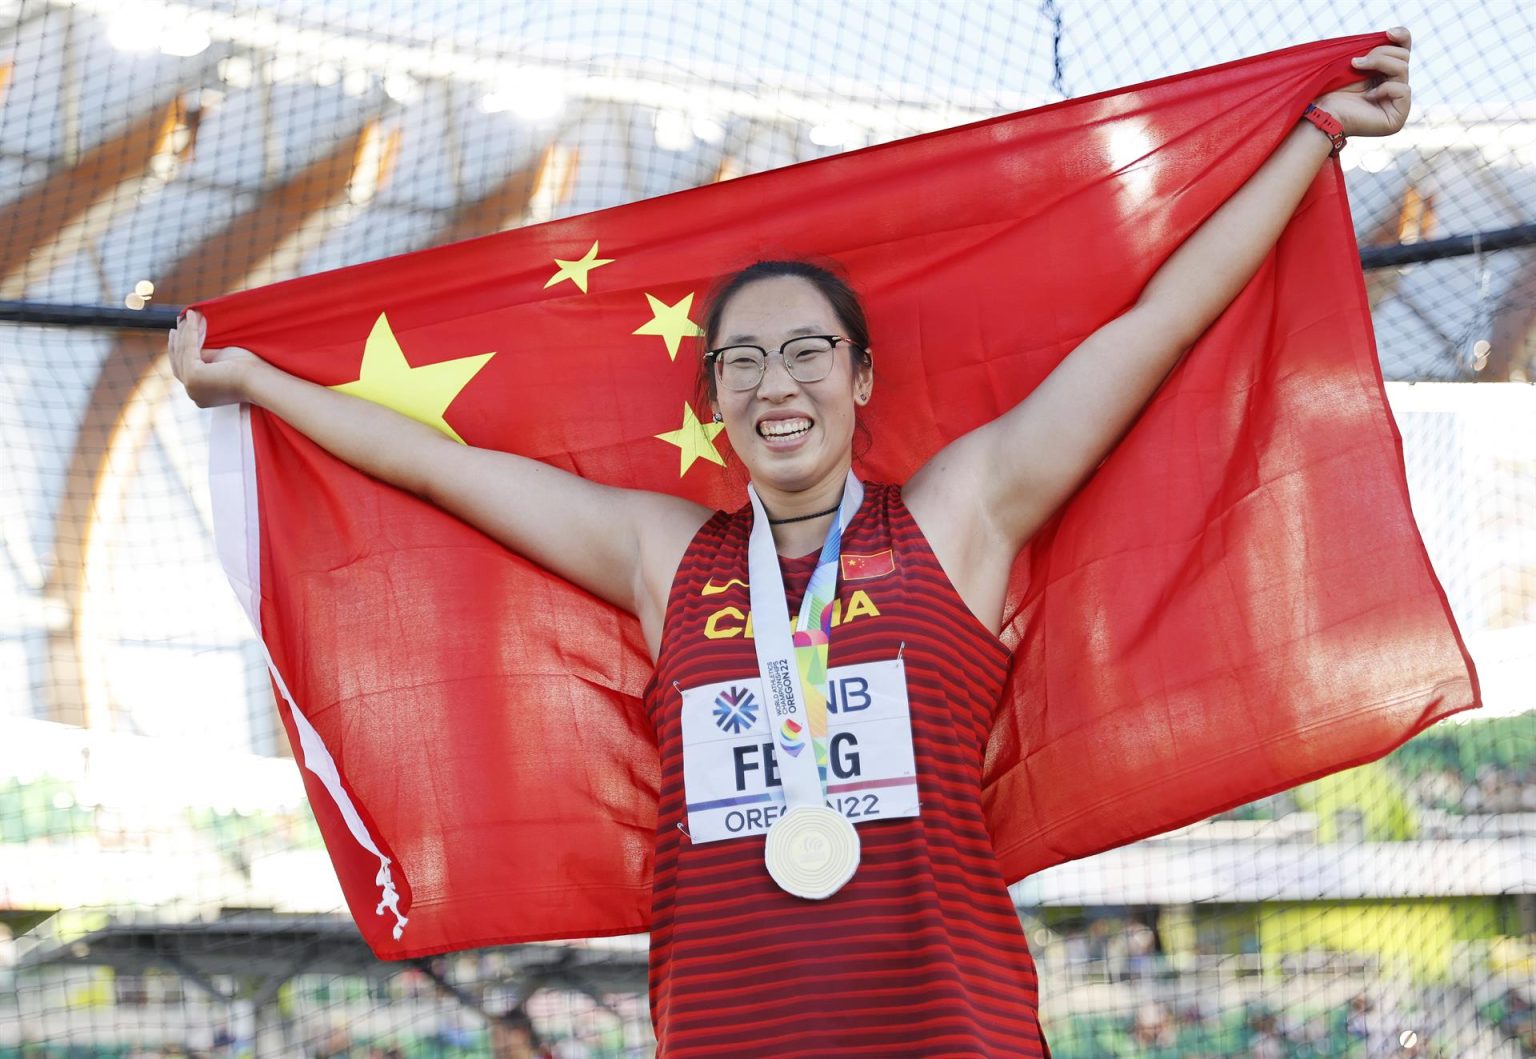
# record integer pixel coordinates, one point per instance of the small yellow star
(576, 271)
(422, 393)
(670, 322)
(694, 440)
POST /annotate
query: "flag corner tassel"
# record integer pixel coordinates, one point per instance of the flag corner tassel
(390, 898)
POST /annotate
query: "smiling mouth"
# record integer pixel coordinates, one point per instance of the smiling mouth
(783, 429)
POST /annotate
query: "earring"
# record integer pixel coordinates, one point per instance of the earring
(718, 418)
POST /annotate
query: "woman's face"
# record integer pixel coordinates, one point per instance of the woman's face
(792, 436)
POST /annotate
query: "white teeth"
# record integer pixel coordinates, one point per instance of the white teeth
(783, 428)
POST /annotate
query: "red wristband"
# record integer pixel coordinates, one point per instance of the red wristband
(1329, 125)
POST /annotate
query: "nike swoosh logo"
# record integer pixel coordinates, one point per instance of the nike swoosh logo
(712, 589)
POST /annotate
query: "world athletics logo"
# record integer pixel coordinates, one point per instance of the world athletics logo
(789, 737)
(735, 710)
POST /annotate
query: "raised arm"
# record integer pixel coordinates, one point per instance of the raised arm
(985, 494)
(622, 545)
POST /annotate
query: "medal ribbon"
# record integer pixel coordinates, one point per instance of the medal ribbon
(793, 662)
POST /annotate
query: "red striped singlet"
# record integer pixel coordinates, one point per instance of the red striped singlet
(922, 953)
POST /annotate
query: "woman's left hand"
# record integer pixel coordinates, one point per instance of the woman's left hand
(1378, 105)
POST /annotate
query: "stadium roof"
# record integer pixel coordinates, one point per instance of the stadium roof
(259, 947)
(1180, 872)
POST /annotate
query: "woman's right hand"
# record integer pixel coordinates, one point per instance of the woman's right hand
(212, 376)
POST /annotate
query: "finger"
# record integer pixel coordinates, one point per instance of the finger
(1393, 93)
(1382, 63)
(1391, 89)
(196, 337)
(1401, 35)
(1396, 69)
(175, 352)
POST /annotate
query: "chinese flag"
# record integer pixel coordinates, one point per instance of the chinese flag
(1237, 601)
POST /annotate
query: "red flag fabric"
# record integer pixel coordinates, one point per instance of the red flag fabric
(1237, 601)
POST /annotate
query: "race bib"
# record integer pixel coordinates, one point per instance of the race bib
(731, 765)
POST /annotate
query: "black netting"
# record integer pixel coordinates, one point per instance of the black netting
(163, 889)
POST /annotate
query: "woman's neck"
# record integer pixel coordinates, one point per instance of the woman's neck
(794, 533)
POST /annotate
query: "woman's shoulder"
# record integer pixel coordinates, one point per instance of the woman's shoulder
(721, 532)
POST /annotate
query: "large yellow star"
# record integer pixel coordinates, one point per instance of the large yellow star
(576, 271)
(694, 440)
(670, 322)
(422, 393)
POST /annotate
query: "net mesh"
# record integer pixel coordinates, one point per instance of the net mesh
(163, 889)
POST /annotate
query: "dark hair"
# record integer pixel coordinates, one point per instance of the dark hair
(826, 278)
(516, 1018)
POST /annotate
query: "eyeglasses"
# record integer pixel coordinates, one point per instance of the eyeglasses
(807, 359)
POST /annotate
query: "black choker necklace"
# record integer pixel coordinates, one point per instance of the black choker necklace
(806, 518)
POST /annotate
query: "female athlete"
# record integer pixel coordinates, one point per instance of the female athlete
(917, 949)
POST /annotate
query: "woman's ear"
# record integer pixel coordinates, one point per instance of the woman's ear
(864, 380)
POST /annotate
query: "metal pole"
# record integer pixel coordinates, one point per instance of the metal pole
(1451, 246)
(157, 318)
(163, 317)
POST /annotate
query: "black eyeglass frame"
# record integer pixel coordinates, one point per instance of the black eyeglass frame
(713, 357)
